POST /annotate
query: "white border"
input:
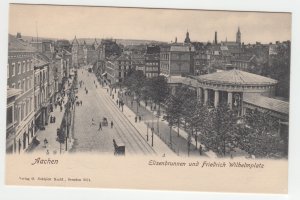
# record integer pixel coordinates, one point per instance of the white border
(81, 193)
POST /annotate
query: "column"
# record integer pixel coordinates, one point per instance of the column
(229, 99)
(199, 94)
(205, 96)
(173, 90)
(216, 98)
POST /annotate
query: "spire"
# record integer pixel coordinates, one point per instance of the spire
(187, 37)
(238, 36)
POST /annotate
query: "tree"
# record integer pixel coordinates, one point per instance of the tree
(220, 134)
(199, 119)
(159, 91)
(279, 69)
(172, 113)
(258, 135)
(135, 82)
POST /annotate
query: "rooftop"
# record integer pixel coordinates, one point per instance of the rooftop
(267, 103)
(183, 80)
(182, 48)
(15, 44)
(237, 77)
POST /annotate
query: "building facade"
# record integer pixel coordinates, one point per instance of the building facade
(20, 75)
(152, 61)
(176, 59)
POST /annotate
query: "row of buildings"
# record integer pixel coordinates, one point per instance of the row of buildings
(36, 72)
(186, 58)
(217, 72)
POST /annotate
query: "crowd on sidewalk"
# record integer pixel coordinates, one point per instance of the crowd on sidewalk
(48, 138)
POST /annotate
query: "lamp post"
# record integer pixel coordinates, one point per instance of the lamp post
(152, 130)
(147, 131)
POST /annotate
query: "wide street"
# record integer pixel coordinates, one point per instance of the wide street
(96, 104)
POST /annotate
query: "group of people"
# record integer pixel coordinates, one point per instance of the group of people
(59, 102)
(102, 123)
(136, 118)
(79, 103)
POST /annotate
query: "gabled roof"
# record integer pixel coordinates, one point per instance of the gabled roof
(245, 58)
(237, 77)
(40, 61)
(123, 57)
(15, 44)
(182, 48)
(75, 41)
(267, 103)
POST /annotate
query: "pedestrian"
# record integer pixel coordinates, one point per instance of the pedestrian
(117, 102)
(200, 150)
(111, 124)
(100, 127)
(61, 108)
(135, 119)
(140, 118)
(113, 96)
(93, 122)
(80, 102)
(45, 142)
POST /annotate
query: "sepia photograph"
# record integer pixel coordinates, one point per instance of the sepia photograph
(166, 88)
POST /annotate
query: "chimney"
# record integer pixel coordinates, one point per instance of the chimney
(19, 36)
(216, 37)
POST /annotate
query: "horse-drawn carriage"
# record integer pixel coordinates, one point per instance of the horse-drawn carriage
(119, 148)
(104, 121)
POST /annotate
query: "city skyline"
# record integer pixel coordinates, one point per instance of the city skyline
(47, 20)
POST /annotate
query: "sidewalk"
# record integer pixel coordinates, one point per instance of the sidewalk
(183, 133)
(178, 144)
(158, 145)
(53, 146)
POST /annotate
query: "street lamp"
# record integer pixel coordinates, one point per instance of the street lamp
(152, 130)
(147, 131)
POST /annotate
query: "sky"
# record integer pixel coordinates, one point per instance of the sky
(148, 24)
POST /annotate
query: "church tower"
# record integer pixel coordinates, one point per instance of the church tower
(187, 38)
(238, 36)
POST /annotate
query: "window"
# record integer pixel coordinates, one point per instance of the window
(24, 66)
(30, 104)
(27, 111)
(22, 111)
(9, 115)
(23, 85)
(26, 85)
(13, 69)
(31, 64)
(19, 68)
(28, 65)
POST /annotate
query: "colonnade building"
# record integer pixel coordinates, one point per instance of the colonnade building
(229, 87)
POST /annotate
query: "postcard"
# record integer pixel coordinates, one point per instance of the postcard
(148, 98)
